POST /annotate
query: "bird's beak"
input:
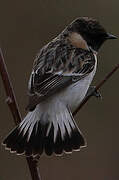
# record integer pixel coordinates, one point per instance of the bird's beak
(110, 36)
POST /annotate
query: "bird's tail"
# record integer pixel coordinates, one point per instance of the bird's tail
(52, 133)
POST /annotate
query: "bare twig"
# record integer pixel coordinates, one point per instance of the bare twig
(99, 85)
(12, 103)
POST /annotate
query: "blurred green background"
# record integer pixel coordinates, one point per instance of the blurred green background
(25, 26)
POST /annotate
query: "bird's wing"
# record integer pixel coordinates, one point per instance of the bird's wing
(57, 67)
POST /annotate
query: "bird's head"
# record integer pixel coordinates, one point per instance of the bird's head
(90, 31)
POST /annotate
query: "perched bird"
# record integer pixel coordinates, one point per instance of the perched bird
(60, 78)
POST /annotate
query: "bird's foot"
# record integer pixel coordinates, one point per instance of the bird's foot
(93, 92)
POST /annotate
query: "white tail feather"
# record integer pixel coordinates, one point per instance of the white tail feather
(47, 129)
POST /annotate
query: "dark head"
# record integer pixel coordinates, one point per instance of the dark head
(91, 31)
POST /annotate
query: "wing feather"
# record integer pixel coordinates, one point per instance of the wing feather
(57, 66)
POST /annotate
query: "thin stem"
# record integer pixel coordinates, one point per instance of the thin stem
(13, 106)
(12, 103)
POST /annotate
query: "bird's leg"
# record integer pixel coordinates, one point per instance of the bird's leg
(93, 92)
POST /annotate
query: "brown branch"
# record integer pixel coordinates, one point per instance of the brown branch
(13, 106)
(11, 101)
(99, 85)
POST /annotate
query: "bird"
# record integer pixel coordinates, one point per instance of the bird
(60, 80)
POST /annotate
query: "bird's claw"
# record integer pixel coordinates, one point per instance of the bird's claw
(93, 92)
(97, 94)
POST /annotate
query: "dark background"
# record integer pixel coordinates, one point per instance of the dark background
(25, 26)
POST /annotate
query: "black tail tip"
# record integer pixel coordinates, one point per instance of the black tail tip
(18, 143)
